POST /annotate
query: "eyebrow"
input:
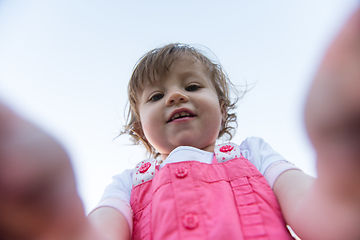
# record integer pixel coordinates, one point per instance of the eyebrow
(189, 73)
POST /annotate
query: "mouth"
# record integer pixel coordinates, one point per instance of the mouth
(181, 114)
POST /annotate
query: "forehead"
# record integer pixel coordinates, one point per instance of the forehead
(183, 66)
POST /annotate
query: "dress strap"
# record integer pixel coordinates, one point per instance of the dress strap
(227, 151)
(144, 171)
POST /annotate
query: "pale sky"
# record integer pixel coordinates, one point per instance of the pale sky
(65, 66)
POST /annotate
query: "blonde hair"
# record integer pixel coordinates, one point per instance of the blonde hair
(154, 65)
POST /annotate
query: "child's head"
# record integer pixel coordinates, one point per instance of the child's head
(168, 78)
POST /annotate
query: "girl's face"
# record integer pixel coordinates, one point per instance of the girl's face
(181, 110)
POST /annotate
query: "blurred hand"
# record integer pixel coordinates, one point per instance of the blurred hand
(333, 106)
(38, 198)
(332, 115)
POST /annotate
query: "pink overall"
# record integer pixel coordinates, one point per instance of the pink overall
(194, 200)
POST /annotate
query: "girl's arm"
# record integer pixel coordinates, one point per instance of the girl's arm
(38, 197)
(111, 223)
(329, 207)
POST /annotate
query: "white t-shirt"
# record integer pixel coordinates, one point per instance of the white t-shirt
(270, 163)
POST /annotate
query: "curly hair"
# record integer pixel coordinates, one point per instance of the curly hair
(154, 65)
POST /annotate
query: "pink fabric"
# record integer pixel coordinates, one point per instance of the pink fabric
(229, 200)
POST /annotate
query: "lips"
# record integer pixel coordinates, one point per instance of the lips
(180, 113)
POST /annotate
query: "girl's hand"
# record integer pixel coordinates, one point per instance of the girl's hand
(329, 207)
(333, 108)
(333, 111)
(38, 198)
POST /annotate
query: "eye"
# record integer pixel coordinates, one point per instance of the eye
(155, 97)
(192, 87)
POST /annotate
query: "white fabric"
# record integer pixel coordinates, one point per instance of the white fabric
(256, 150)
(276, 169)
(186, 153)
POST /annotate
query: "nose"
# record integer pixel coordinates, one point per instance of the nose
(176, 97)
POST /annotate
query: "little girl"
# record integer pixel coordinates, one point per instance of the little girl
(179, 106)
(193, 188)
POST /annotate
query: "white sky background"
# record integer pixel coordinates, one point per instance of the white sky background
(65, 66)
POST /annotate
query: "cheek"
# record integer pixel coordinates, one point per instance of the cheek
(217, 109)
(145, 123)
(220, 116)
(150, 124)
(214, 116)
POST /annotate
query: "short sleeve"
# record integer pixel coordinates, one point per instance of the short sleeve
(120, 186)
(117, 195)
(270, 163)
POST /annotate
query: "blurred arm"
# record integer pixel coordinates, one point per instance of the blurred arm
(329, 207)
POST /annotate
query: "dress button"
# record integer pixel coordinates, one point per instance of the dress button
(181, 172)
(143, 168)
(190, 221)
(226, 148)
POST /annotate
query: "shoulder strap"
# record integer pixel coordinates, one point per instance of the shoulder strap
(226, 152)
(144, 171)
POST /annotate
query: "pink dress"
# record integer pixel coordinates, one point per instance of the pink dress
(228, 199)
